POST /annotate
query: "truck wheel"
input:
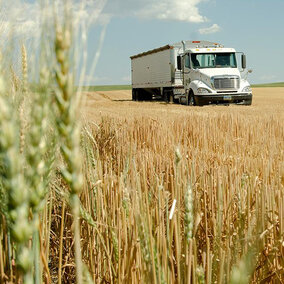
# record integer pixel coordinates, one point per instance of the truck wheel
(134, 95)
(139, 95)
(147, 96)
(176, 101)
(190, 99)
(166, 96)
(142, 95)
(248, 102)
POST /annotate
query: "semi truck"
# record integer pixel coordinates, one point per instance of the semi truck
(191, 73)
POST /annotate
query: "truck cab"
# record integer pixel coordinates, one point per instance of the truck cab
(210, 75)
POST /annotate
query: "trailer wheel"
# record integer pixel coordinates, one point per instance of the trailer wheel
(139, 95)
(134, 95)
(142, 95)
(147, 96)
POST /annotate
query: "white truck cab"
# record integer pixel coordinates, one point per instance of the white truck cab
(191, 73)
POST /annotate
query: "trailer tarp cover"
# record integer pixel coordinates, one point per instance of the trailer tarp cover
(152, 51)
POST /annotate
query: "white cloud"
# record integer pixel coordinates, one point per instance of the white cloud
(177, 10)
(19, 19)
(22, 19)
(211, 30)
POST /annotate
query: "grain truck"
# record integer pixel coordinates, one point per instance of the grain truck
(191, 73)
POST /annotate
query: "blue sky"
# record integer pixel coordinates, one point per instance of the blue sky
(122, 28)
(255, 27)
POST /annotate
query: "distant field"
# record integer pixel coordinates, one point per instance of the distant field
(107, 88)
(280, 84)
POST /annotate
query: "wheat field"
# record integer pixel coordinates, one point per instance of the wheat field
(170, 194)
(95, 188)
(224, 166)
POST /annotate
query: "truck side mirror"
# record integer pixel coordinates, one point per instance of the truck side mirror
(244, 61)
(179, 63)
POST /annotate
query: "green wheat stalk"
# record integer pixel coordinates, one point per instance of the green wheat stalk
(14, 185)
(68, 128)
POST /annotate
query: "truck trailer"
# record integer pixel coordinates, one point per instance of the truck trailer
(191, 73)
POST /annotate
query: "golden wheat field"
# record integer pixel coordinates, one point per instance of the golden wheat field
(222, 166)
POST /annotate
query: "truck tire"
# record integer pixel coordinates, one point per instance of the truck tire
(139, 95)
(168, 96)
(147, 96)
(134, 95)
(165, 95)
(190, 99)
(247, 102)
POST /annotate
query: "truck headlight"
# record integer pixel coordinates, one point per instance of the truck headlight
(247, 89)
(203, 91)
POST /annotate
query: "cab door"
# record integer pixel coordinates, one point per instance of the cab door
(186, 70)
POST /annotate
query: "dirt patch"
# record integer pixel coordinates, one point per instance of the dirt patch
(103, 96)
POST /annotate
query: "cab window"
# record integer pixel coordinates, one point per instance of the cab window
(187, 61)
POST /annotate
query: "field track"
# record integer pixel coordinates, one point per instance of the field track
(269, 101)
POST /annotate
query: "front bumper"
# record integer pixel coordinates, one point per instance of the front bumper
(225, 98)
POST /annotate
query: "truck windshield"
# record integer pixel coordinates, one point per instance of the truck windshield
(214, 60)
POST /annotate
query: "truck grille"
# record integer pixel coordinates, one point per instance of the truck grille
(227, 83)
